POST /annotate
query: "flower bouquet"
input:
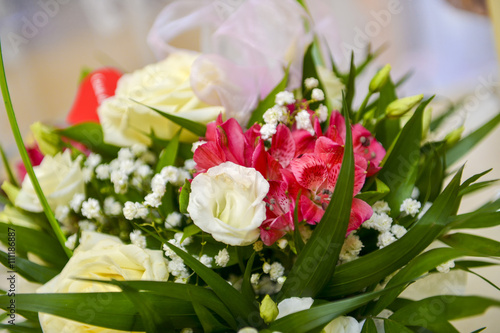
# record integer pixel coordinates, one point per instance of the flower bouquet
(241, 193)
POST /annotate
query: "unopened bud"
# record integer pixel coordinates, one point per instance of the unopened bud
(401, 106)
(268, 309)
(48, 141)
(380, 79)
(454, 136)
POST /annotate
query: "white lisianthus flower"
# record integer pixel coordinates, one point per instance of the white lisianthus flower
(293, 304)
(60, 179)
(343, 324)
(165, 86)
(227, 202)
(105, 257)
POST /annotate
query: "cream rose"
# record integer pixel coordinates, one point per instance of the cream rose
(105, 257)
(165, 86)
(227, 202)
(343, 324)
(60, 178)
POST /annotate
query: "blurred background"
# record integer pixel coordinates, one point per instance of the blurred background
(450, 45)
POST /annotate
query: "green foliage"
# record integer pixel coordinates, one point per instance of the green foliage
(313, 268)
(91, 136)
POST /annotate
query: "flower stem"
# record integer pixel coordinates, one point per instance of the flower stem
(24, 155)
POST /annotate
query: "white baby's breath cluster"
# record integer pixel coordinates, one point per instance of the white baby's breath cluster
(273, 116)
(176, 266)
(351, 248)
(138, 239)
(410, 207)
(382, 222)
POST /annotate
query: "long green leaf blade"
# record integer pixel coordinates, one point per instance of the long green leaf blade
(466, 144)
(451, 307)
(475, 244)
(315, 263)
(371, 268)
(26, 160)
(399, 171)
(192, 126)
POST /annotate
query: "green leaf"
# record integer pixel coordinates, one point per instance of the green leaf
(267, 102)
(90, 135)
(375, 266)
(415, 268)
(371, 197)
(246, 286)
(466, 144)
(350, 89)
(192, 126)
(207, 319)
(35, 241)
(475, 244)
(27, 269)
(313, 268)
(388, 129)
(400, 165)
(433, 311)
(479, 330)
(457, 266)
(309, 70)
(184, 197)
(479, 186)
(241, 309)
(475, 263)
(189, 231)
(21, 328)
(369, 326)
(111, 310)
(475, 220)
(10, 174)
(151, 318)
(391, 326)
(200, 295)
(169, 154)
(431, 171)
(317, 317)
(26, 160)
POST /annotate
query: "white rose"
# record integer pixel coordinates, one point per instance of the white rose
(343, 324)
(165, 86)
(227, 202)
(293, 304)
(104, 257)
(60, 178)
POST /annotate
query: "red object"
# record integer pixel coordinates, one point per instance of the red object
(36, 158)
(93, 90)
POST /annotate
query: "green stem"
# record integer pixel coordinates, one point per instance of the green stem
(361, 110)
(24, 155)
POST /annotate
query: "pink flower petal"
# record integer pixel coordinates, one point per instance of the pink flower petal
(311, 212)
(208, 155)
(283, 145)
(360, 212)
(309, 170)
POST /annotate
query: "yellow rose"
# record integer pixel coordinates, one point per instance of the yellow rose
(104, 257)
(60, 178)
(165, 86)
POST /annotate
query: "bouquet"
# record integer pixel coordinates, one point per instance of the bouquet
(242, 193)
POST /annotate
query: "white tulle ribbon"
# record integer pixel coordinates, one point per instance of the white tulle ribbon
(250, 44)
